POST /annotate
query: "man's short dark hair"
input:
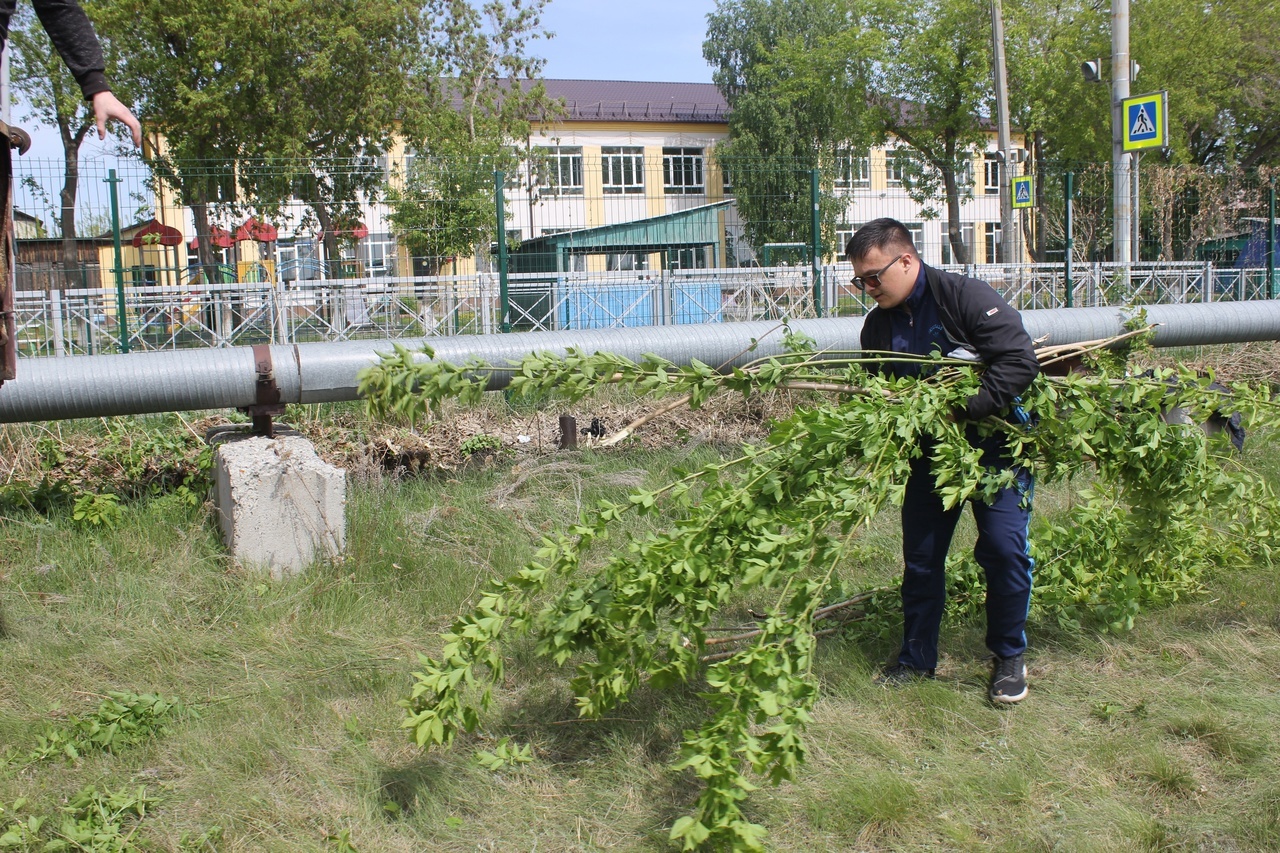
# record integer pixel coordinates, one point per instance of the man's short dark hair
(887, 235)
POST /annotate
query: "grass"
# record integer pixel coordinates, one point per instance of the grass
(1160, 739)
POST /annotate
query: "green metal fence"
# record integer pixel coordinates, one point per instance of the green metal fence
(592, 236)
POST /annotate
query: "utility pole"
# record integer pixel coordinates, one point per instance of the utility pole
(1008, 224)
(1121, 190)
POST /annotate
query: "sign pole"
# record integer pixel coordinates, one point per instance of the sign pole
(1119, 155)
(1069, 191)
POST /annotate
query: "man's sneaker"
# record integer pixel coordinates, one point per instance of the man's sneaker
(1008, 680)
(899, 674)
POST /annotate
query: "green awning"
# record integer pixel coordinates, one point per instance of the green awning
(685, 229)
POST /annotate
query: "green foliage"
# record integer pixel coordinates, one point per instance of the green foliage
(96, 821)
(442, 207)
(505, 754)
(101, 821)
(806, 79)
(780, 519)
(97, 510)
(787, 118)
(341, 841)
(480, 443)
(1216, 63)
(15, 832)
(121, 720)
(127, 459)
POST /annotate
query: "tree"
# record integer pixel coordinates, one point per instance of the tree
(807, 77)
(54, 99)
(1219, 64)
(933, 92)
(1049, 97)
(785, 118)
(445, 207)
(260, 99)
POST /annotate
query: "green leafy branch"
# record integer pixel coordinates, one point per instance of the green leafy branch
(779, 519)
(120, 721)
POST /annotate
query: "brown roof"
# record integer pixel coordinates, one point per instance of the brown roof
(623, 100)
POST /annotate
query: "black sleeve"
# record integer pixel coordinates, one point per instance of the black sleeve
(73, 37)
(995, 330)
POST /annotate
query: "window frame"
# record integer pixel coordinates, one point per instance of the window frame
(562, 159)
(990, 174)
(993, 236)
(966, 237)
(895, 163)
(853, 170)
(622, 169)
(684, 170)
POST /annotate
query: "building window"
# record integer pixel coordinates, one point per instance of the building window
(853, 171)
(564, 170)
(964, 175)
(990, 175)
(994, 237)
(687, 259)
(843, 235)
(896, 163)
(682, 171)
(623, 169)
(726, 179)
(377, 252)
(626, 262)
(966, 236)
(917, 233)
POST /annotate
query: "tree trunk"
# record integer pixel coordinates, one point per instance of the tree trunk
(1037, 149)
(959, 250)
(204, 251)
(72, 272)
(330, 239)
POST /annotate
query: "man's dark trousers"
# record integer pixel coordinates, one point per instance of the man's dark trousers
(1001, 551)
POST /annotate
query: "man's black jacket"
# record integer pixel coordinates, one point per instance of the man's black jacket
(977, 318)
(73, 37)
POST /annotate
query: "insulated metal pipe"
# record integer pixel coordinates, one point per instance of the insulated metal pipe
(188, 380)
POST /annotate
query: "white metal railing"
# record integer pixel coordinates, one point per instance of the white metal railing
(85, 321)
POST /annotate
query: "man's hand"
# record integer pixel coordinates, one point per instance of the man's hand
(107, 106)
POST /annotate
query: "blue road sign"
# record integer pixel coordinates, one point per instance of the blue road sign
(1145, 121)
(1023, 192)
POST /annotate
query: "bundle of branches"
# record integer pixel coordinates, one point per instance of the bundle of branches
(778, 519)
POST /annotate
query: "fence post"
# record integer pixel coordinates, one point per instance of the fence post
(119, 270)
(1069, 189)
(1206, 279)
(1271, 240)
(503, 297)
(815, 251)
(55, 309)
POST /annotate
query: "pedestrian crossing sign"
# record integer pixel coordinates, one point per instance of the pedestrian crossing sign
(1146, 121)
(1023, 192)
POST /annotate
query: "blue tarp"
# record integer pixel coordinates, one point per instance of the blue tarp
(1254, 253)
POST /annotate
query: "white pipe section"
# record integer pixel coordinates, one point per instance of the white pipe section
(187, 380)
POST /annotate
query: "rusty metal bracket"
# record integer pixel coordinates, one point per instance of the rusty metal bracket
(268, 393)
(17, 137)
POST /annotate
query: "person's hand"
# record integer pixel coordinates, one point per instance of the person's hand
(107, 106)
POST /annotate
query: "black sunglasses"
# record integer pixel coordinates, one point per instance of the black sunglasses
(862, 282)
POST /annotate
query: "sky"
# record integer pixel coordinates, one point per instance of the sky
(656, 40)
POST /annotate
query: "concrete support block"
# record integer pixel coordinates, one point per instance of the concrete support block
(280, 505)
